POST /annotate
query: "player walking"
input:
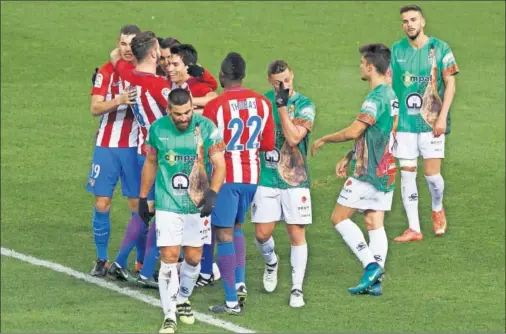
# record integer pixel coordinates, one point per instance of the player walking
(283, 192)
(115, 153)
(244, 120)
(370, 187)
(178, 147)
(423, 73)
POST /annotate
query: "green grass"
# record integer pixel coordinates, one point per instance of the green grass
(49, 50)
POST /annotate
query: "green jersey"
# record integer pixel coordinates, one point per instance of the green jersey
(182, 155)
(373, 161)
(417, 79)
(285, 167)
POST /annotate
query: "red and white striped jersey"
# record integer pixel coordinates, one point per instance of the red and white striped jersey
(244, 119)
(152, 94)
(116, 128)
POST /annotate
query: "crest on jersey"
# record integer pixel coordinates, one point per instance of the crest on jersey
(98, 80)
(165, 93)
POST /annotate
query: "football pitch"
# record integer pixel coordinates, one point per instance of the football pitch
(48, 53)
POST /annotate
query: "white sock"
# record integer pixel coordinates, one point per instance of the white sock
(409, 192)
(267, 250)
(436, 187)
(298, 260)
(378, 244)
(189, 276)
(354, 238)
(168, 285)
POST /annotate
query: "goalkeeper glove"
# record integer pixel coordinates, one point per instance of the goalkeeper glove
(144, 210)
(207, 203)
(282, 96)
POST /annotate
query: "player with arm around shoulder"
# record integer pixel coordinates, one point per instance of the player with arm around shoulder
(115, 154)
(244, 120)
(178, 147)
(423, 70)
(283, 192)
(370, 187)
(150, 104)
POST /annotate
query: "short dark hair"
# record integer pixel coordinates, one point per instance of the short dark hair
(178, 97)
(410, 8)
(377, 54)
(129, 29)
(277, 66)
(168, 42)
(187, 53)
(142, 43)
(233, 66)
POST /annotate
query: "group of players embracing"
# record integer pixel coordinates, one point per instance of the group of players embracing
(192, 162)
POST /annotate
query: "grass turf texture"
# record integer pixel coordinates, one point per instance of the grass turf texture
(49, 51)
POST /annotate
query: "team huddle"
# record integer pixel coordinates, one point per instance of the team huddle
(192, 163)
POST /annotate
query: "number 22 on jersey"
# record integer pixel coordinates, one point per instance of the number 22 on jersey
(237, 127)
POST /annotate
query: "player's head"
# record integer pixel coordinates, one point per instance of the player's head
(413, 21)
(279, 72)
(126, 34)
(165, 45)
(374, 60)
(233, 70)
(145, 47)
(181, 56)
(180, 108)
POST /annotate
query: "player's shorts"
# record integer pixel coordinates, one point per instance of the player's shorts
(412, 145)
(140, 160)
(291, 205)
(363, 196)
(110, 164)
(232, 204)
(176, 229)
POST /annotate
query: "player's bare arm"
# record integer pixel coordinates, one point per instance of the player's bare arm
(219, 170)
(342, 165)
(99, 106)
(203, 100)
(149, 170)
(293, 133)
(352, 132)
(440, 126)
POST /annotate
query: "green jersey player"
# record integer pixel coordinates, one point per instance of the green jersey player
(179, 145)
(283, 190)
(423, 71)
(370, 187)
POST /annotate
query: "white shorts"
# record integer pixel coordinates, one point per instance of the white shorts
(412, 145)
(291, 205)
(175, 229)
(364, 196)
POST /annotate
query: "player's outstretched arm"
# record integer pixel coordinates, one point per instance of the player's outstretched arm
(203, 100)
(342, 165)
(149, 170)
(352, 132)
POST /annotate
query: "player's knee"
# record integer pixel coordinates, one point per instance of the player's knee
(103, 204)
(169, 254)
(224, 234)
(297, 234)
(262, 236)
(192, 255)
(408, 165)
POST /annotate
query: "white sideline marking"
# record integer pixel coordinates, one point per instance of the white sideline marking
(124, 291)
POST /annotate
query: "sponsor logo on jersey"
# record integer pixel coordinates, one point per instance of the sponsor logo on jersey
(173, 158)
(98, 80)
(272, 158)
(408, 79)
(414, 102)
(180, 184)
